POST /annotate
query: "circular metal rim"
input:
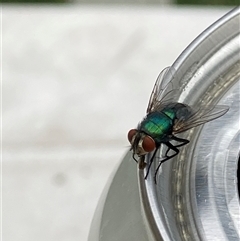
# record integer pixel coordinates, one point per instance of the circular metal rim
(187, 63)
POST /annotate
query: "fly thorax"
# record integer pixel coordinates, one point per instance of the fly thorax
(158, 125)
(170, 113)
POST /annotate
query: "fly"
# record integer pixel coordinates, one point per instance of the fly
(164, 120)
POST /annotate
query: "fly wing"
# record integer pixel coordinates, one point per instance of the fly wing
(202, 115)
(162, 92)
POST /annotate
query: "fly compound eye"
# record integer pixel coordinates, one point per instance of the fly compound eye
(148, 144)
(131, 135)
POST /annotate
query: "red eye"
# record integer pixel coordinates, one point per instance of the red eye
(148, 144)
(131, 134)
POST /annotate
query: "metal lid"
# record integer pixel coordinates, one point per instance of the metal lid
(196, 195)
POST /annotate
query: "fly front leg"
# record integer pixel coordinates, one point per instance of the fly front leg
(151, 161)
(133, 156)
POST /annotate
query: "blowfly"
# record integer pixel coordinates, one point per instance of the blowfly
(164, 120)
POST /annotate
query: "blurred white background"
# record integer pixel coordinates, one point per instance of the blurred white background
(75, 80)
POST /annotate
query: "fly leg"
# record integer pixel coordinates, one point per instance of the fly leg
(184, 142)
(133, 156)
(151, 161)
(170, 147)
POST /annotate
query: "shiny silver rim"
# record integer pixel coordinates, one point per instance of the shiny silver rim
(196, 196)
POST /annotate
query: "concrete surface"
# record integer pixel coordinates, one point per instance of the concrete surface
(75, 80)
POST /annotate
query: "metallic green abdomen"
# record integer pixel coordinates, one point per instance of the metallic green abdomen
(158, 125)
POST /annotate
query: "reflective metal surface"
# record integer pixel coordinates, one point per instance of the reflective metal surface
(196, 196)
